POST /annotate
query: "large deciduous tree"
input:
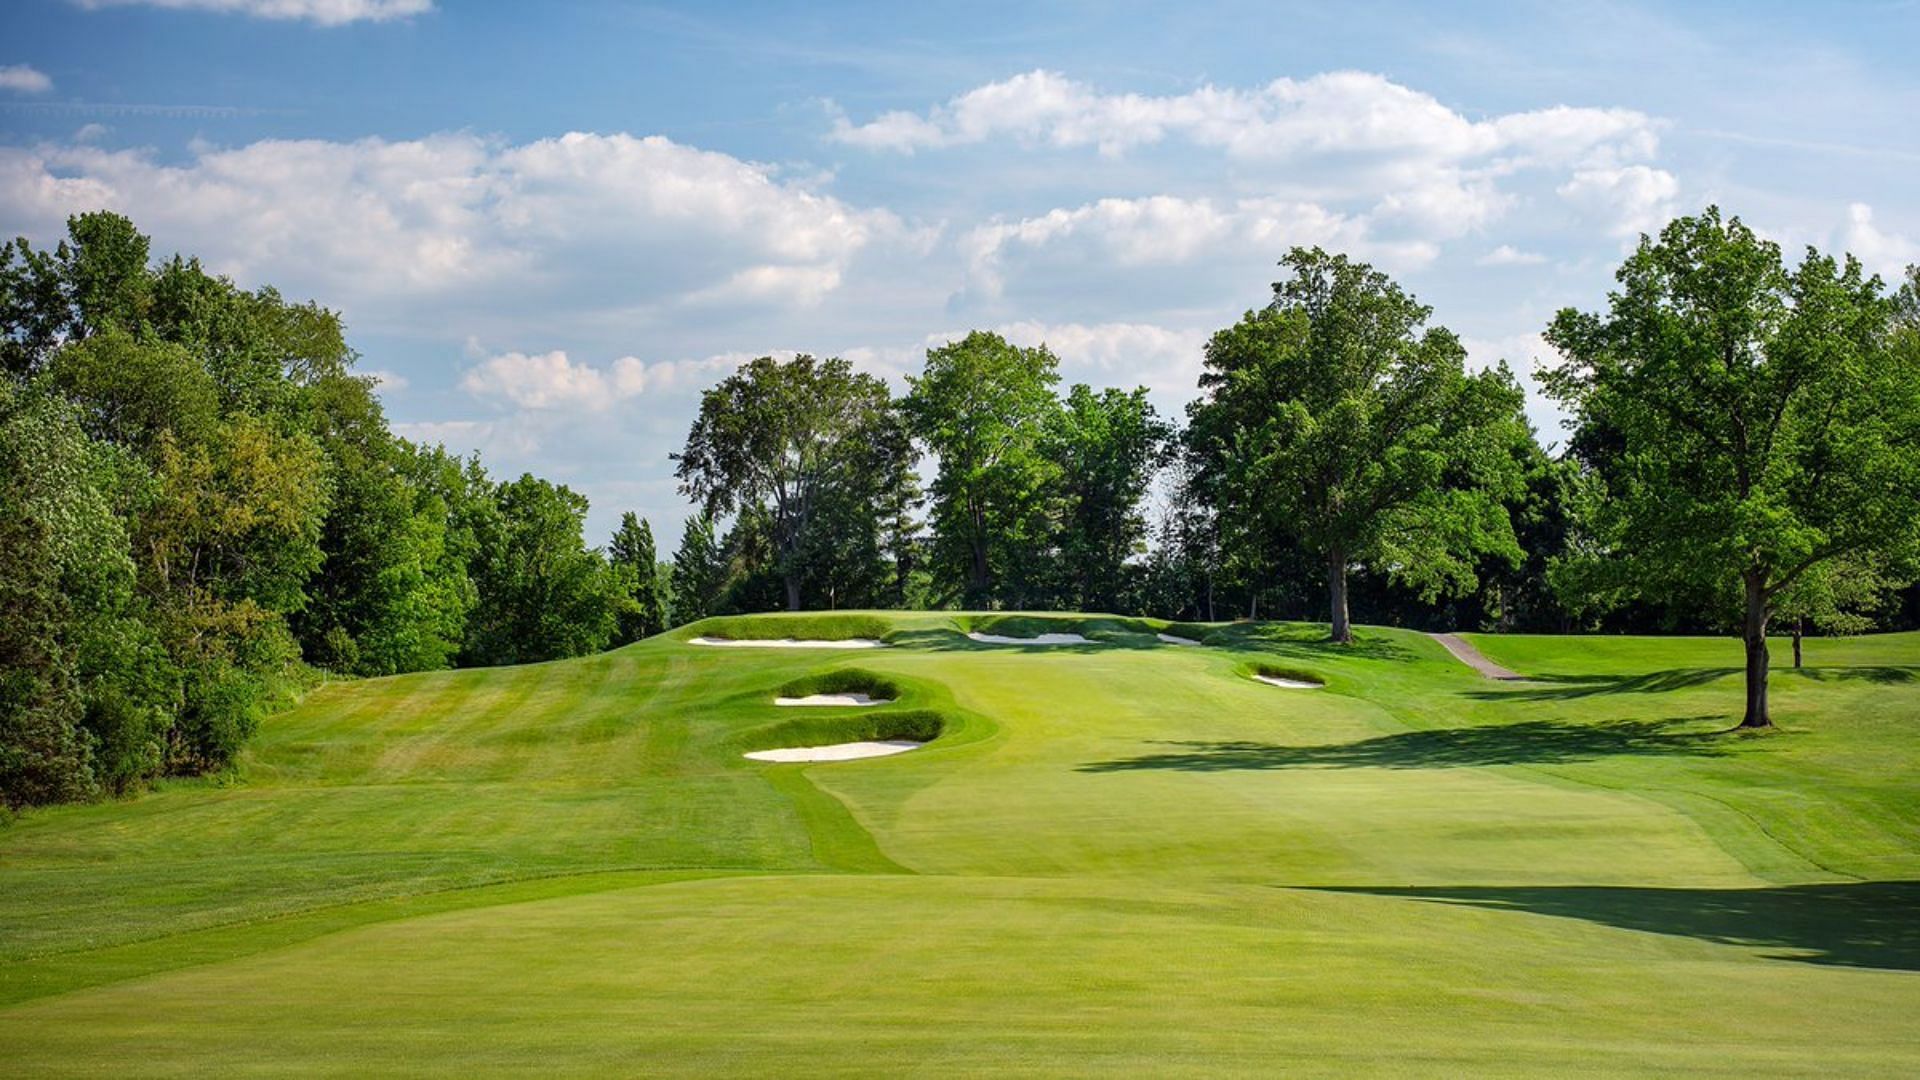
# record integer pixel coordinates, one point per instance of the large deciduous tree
(1764, 424)
(984, 408)
(1109, 445)
(1335, 420)
(543, 595)
(791, 439)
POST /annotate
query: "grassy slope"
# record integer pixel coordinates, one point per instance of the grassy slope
(1121, 856)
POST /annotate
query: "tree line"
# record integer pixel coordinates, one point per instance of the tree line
(1744, 452)
(203, 509)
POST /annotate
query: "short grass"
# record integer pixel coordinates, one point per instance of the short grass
(1121, 856)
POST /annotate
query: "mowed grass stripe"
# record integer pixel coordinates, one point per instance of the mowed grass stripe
(1571, 875)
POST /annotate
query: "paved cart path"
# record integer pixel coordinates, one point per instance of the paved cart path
(1463, 651)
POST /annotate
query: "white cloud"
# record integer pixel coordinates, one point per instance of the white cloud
(388, 230)
(1348, 137)
(1343, 112)
(552, 381)
(488, 438)
(1629, 199)
(388, 381)
(323, 12)
(1165, 360)
(1508, 255)
(1166, 230)
(1883, 253)
(24, 79)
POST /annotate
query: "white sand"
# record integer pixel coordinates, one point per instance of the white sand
(1176, 639)
(1042, 639)
(846, 751)
(1290, 684)
(789, 643)
(833, 699)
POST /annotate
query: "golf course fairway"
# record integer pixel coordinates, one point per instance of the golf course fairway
(1128, 856)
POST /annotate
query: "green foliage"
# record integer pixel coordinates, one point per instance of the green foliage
(202, 500)
(1751, 423)
(984, 408)
(1337, 421)
(542, 594)
(699, 572)
(1109, 445)
(83, 686)
(643, 588)
(802, 443)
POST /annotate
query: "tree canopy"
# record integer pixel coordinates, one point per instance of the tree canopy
(1762, 422)
(793, 439)
(1337, 420)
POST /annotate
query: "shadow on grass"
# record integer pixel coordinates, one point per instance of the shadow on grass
(1305, 641)
(1883, 674)
(1868, 924)
(1570, 687)
(1535, 742)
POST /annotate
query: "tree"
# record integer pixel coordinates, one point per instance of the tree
(1336, 421)
(642, 587)
(542, 594)
(1109, 446)
(1767, 420)
(699, 572)
(791, 437)
(983, 407)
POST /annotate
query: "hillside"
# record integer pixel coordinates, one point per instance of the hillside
(1127, 854)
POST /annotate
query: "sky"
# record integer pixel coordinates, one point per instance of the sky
(548, 227)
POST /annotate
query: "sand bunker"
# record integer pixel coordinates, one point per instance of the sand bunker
(1039, 639)
(1176, 639)
(789, 643)
(833, 699)
(1289, 684)
(846, 751)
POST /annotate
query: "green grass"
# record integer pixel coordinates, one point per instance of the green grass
(1121, 856)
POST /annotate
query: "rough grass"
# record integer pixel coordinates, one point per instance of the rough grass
(1118, 857)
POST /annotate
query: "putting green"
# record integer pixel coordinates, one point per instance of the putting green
(1123, 855)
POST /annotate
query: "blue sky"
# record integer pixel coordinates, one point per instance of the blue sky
(549, 226)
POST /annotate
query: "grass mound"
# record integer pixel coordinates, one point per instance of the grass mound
(914, 725)
(1291, 673)
(845, 680)
(813, 626)
(1103, 629)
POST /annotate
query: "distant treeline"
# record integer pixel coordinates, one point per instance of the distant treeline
(203, 509)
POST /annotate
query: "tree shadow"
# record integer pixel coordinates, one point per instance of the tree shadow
(1867, 924)
(1305, 642)
(1570, 687)
(1883, 674)
(1535, 742)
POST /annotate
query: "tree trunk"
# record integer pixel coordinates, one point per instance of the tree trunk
(1797, 631)
(1756, 640)
(793, 592)
(1337, 597)
(977, 575)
